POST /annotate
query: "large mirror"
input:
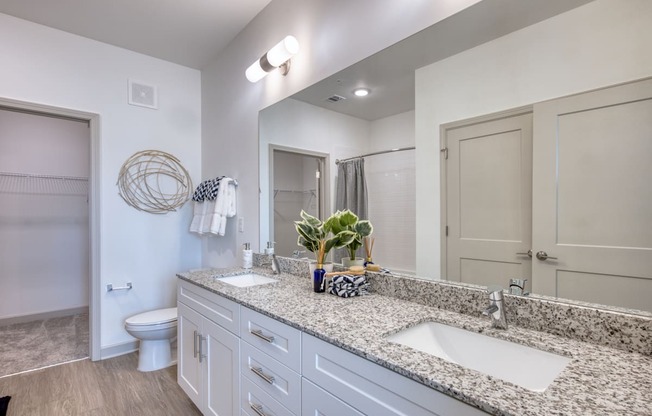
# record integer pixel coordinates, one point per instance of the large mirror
(468, 197)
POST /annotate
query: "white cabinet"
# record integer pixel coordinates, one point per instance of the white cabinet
(208, 354)
(370, 388)
(270, 366)
(318, 402)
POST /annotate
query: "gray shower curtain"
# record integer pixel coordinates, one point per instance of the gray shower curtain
(351, 194)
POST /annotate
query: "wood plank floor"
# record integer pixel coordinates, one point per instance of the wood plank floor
(112, 387)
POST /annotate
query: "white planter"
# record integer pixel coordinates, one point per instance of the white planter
(347, 262)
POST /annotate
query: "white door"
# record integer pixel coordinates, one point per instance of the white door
(222, 360)
(592, 201)
(189, 371)
(488, 200)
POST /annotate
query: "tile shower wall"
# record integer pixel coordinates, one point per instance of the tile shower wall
(391, 184)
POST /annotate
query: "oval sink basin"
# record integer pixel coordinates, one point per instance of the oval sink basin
(246, 280)
(524, 366)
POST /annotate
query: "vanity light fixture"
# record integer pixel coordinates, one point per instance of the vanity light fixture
(277, 57)
(361, 92)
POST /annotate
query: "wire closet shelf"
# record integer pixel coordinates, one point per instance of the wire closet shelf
(32, 184)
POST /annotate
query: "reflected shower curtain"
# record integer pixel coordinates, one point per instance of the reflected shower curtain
(351, 194)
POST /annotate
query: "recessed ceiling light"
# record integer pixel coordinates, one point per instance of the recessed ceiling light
(361, 92)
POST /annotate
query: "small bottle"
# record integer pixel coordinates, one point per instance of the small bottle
(318, 279)
(247, 256)
(270, 247)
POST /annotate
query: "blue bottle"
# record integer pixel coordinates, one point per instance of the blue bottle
(318, 279)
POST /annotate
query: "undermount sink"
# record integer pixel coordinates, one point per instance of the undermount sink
(246, 280)
(527, 367)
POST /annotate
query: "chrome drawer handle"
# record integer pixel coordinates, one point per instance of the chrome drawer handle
(259, 334)
(258, 409)
(259, 372)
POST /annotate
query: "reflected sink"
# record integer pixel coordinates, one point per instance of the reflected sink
(527, 367)
(246, 280)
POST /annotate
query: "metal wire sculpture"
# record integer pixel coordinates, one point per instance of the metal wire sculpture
(154, 181)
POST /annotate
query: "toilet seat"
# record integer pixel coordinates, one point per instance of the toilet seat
(151, 318)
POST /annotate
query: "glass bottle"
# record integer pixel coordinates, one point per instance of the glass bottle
(318, 279)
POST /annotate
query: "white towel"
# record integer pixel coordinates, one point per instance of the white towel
(199, 211)
(225, 206)
(208, 217)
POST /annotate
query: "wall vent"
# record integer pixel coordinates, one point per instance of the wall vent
(335, 98)
(142, 95)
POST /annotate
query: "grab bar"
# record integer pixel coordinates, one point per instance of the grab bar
(110, 288)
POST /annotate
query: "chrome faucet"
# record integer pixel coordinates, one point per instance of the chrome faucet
(276, 269)
(496, 308)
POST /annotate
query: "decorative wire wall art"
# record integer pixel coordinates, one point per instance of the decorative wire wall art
(154, 182)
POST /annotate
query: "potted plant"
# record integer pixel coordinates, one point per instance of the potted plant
(318, 237)
(346, 220)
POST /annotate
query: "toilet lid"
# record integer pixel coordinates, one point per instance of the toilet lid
(159, 316)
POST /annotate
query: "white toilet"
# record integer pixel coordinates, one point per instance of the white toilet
(155, 330)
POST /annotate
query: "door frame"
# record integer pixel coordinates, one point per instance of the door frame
(324, 194)
(443, 166)
(93, 119)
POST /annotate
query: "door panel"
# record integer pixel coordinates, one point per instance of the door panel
(592, 205)
(489, 195)
(189, 371)
(222, 375)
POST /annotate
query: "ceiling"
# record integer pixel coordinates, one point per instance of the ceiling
(187, 32)
(390, 74)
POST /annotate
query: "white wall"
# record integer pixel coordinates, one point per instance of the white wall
(47, 66)
(333, 34)
(602, 43)
(44, 255)
(295, 124)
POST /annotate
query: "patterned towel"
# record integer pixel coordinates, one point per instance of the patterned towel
(346, 286)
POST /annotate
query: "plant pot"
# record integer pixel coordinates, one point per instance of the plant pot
(327, 266)
(347, 262)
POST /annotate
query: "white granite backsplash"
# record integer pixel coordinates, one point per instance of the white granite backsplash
(613, 327)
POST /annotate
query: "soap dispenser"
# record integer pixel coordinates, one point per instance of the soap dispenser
(247, 256)
(270, 247)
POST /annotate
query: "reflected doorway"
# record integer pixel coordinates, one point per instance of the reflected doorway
(297, 180)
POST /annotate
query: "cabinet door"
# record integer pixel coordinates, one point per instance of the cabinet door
(189, 371)
(221, 350)
(318, 402)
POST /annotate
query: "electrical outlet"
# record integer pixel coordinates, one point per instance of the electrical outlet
(241, 224)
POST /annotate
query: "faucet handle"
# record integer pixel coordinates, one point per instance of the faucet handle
(495, 292)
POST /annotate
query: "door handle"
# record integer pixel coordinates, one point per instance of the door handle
(542, 255)
(201, 347)
(194, 344)
(529, 253)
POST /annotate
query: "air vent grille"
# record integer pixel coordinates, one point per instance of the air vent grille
(335, 98)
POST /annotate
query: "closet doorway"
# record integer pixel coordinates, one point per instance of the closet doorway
(298, 181)
(47, 248)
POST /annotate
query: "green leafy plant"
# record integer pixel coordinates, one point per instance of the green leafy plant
(319, 237)
(343, 221)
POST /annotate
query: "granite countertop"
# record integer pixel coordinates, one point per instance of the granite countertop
(598, 381)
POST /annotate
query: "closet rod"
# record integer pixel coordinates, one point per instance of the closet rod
(34, 176)
(400, 149)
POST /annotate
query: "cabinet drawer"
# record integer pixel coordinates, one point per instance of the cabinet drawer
(272, 337)
(275, 379)
(218, 309)
(318, 402)
(253, 397)
(372, 389)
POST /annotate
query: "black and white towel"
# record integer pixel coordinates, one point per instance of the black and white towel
(204, 205)
(207, 190)
(346, 285)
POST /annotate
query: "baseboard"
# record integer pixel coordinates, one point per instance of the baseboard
(42, 315)
(118, 349)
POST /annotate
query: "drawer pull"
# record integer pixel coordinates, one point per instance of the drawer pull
(259, 372)
(258, 409)
(259, 334)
